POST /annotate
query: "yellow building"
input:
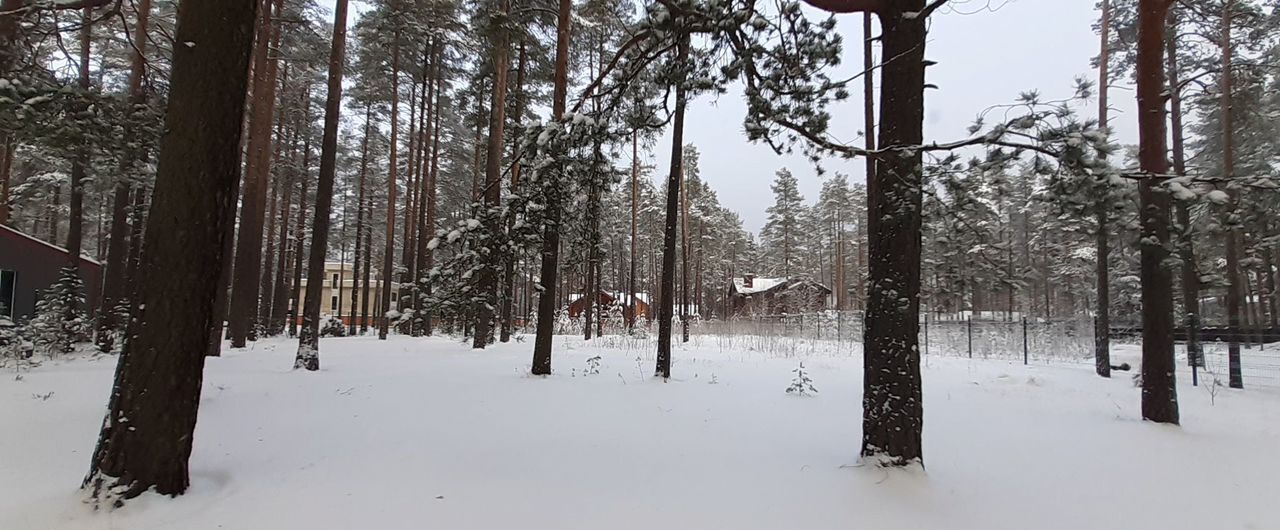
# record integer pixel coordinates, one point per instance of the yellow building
(339, 286)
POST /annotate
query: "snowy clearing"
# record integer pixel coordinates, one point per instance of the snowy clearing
(424, 433)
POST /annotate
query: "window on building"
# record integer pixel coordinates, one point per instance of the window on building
(8, 288)
(334, 284)
(333, 303)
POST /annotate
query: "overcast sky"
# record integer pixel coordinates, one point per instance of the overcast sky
(987, 52)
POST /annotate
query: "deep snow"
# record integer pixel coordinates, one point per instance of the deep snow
(425, 433)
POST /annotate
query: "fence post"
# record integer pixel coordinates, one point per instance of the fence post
(969, 325)
(1026, 351)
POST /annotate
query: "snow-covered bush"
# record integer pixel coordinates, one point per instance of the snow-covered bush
(60, 321)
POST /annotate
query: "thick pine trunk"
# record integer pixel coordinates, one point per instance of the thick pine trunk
(247, 271)
(389, 253)
(635, 221)
(158, 379)
(684, 257)
(360, 207)
(548, 279)
(491, 253)
(117, 248)
(509, 273)
(308, 357)
(432, 188)
(1159, 393)
(1190, 277)
(892, 411)
(1234, 288)
(75, 220)
(674, 178)
(1102, 315)
(300, 232)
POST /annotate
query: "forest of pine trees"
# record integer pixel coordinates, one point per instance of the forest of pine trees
(474, 166)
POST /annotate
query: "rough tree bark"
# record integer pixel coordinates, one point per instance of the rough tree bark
(300, 232)
(635, 221)
(360, 206)
(389, 253)
(309, 338)
(1186, 245)
(491, 257)
(1159, 393)
(1234, 288)
(551, 232)
(246, 273)
(509, 274)
(1102, 317)
(667, 289)
(158, 378)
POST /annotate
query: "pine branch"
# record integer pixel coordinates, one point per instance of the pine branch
(848, 6)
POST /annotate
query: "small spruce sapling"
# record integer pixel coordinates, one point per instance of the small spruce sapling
(801, 384)
(59, 322)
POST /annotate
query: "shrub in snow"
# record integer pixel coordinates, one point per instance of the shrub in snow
(593, 366)
(801, 384)
(332, 327)
(60, 322)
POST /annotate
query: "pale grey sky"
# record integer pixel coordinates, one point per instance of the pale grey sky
(987, 52)
(985, 57)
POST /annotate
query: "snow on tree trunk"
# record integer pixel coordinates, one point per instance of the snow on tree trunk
(309, 338)
(147, 435)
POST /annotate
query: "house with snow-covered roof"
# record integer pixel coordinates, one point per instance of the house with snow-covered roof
(750, 295)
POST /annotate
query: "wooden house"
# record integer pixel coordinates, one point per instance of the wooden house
(608, 301)
(750, 296)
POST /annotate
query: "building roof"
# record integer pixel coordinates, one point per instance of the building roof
(762, 285)
(42, 242)
(758, 285)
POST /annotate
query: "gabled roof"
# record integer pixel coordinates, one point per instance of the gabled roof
(44, 243)
(758, 285)
(763, 285)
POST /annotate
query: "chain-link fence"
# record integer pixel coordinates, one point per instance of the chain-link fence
(989, 336)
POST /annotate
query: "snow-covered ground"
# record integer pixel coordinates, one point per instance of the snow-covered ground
(425, 433)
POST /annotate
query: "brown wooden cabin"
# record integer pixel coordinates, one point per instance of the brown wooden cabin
(28, 266)
(607, 300)
(749, 296)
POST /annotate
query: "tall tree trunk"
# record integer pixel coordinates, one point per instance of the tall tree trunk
(432, 188)
(360, 207)
(869, 139)
(300, 233)
(667, 290)
(157, 383)
(635, 221)
(7, 148)
(389, 254)
(248, 258)
(1159, 392)
(1190, 277)
(491, 252)
(424, 232)
(1269, 276)
(1102, 317)
(117, 254)
(509, 274)
(551, 232)
(1234, 288)
(266, 289)
(684, 257)
(309, 338)
(280, 297)
(75, 221)
(892, 410)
